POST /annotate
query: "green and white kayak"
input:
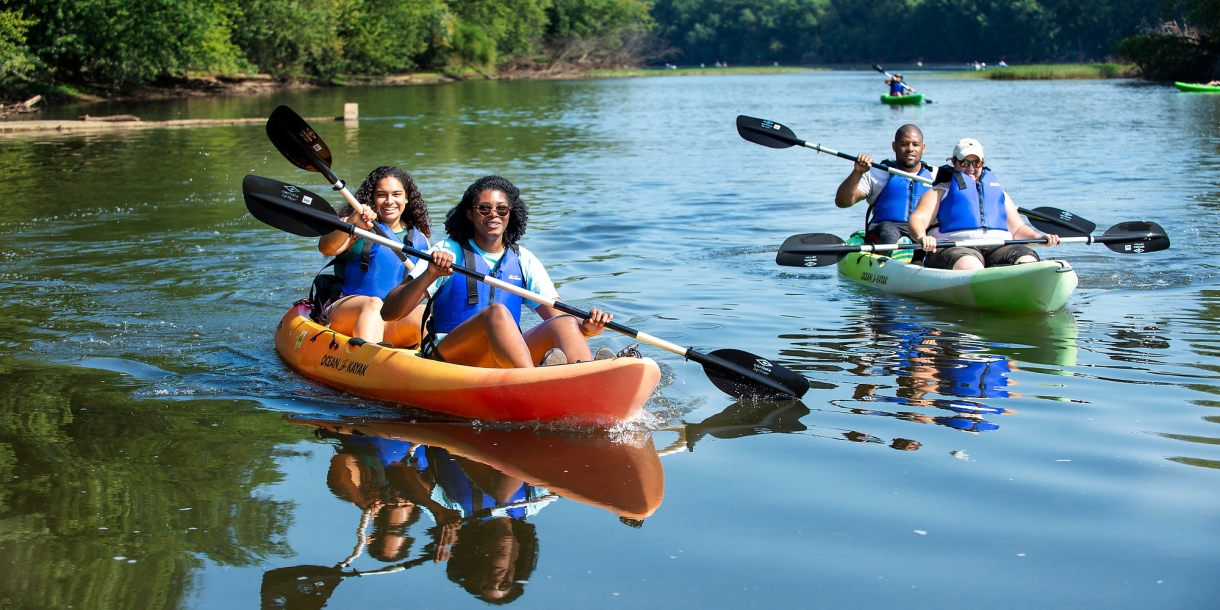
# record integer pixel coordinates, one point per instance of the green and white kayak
(1193, 88)
(912, 99)
(1038, 287)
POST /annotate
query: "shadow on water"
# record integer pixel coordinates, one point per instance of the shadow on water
(480, 486)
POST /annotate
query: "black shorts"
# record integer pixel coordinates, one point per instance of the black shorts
(994, 256)
(886, 232)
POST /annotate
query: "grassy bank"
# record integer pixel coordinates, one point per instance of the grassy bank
(1053, 72)
(699, 71)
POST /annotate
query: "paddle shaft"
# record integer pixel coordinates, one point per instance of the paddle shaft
(338, 184)
(903, 83)
(973, 243)
(688, 353)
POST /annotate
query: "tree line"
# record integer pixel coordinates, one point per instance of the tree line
(128, 42)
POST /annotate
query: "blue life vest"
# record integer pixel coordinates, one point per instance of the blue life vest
(383, 269)
(974, 378)
(461, 490)
(458, 301)
(969, 205)
(896, 87)
(899, 197)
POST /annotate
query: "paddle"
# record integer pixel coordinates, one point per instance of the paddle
(903, 83)
(823, 249)
(301, 212)
(768, 133)
(304, 148)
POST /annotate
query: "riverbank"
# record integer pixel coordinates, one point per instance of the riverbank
(218, 85)
(1052, 72)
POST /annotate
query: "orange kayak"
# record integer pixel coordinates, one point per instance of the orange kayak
(624, 478)
(603, 392)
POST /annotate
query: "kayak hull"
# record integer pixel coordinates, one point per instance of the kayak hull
(1039, 287)
(913, 99)
(603, 392)
(1193, 88)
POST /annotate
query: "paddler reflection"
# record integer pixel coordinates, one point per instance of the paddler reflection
(481, 487)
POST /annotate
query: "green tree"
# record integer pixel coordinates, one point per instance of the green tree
(17, 64)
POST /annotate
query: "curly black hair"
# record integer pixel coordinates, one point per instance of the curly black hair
(416, 213)
(461, 229)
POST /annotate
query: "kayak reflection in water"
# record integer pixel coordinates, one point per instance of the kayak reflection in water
(473, 324)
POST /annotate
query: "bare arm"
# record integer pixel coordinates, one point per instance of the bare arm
(922, 216)
(1019, 229)
(403, 298)
(336, 242)
(849, 191)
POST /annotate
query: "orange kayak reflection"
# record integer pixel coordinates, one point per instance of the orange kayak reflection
(622, 477)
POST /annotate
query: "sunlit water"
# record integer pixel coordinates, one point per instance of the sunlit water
(944, 458)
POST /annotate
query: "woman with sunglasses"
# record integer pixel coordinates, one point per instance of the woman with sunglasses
(473, 324)
(967, 202)
(389, 198)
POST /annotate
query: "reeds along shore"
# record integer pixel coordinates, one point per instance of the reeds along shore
(1054, 72)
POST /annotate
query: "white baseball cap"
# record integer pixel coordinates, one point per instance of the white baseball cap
(966, 147)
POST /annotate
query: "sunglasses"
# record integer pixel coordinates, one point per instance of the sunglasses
(485, 209)
(965, 163)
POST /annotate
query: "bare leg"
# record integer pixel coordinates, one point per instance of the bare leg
(562, 332)
(358, 316)
(404, 332)
(489, 339)
(1027, 259)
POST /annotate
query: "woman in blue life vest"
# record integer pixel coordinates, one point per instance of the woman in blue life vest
(891, 197)
(967, 202)
(481, 326)
(389, 198)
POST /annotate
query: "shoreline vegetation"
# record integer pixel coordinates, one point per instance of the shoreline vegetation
(68, 50)
(1052, 72)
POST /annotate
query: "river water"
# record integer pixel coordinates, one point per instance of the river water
(155, 452)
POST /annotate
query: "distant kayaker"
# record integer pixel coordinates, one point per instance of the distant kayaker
(390, 198)
(475, 325)
(896, 87)
(967, 202)
(891, 198)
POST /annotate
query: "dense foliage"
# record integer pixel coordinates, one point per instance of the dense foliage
(1186, 48)
(126, 42)
(753, 31)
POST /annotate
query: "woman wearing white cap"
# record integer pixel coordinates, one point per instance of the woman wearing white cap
(967, 202)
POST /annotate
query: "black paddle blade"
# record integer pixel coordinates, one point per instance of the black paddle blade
(1060, 222)
(1159, 240)
(765, 132)
(289, 208)
(879, 68)
(766, 379)
(790, 258)
(295, 139)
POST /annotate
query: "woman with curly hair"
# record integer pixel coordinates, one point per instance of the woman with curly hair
(390, 198)
(471, 322)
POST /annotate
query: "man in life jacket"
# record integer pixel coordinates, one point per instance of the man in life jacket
(967, 202)
(891, 198)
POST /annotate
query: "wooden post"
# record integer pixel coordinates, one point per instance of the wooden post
(351, 112)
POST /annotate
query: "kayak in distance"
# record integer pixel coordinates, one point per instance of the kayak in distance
(598, 393)
(1039, 287)
(910, 99)
(1194, 88)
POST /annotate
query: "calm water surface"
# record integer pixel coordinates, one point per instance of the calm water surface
(155, 452)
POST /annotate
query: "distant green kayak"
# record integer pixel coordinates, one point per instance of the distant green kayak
(913, 99)
(1193, 88)
(1039, 287)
